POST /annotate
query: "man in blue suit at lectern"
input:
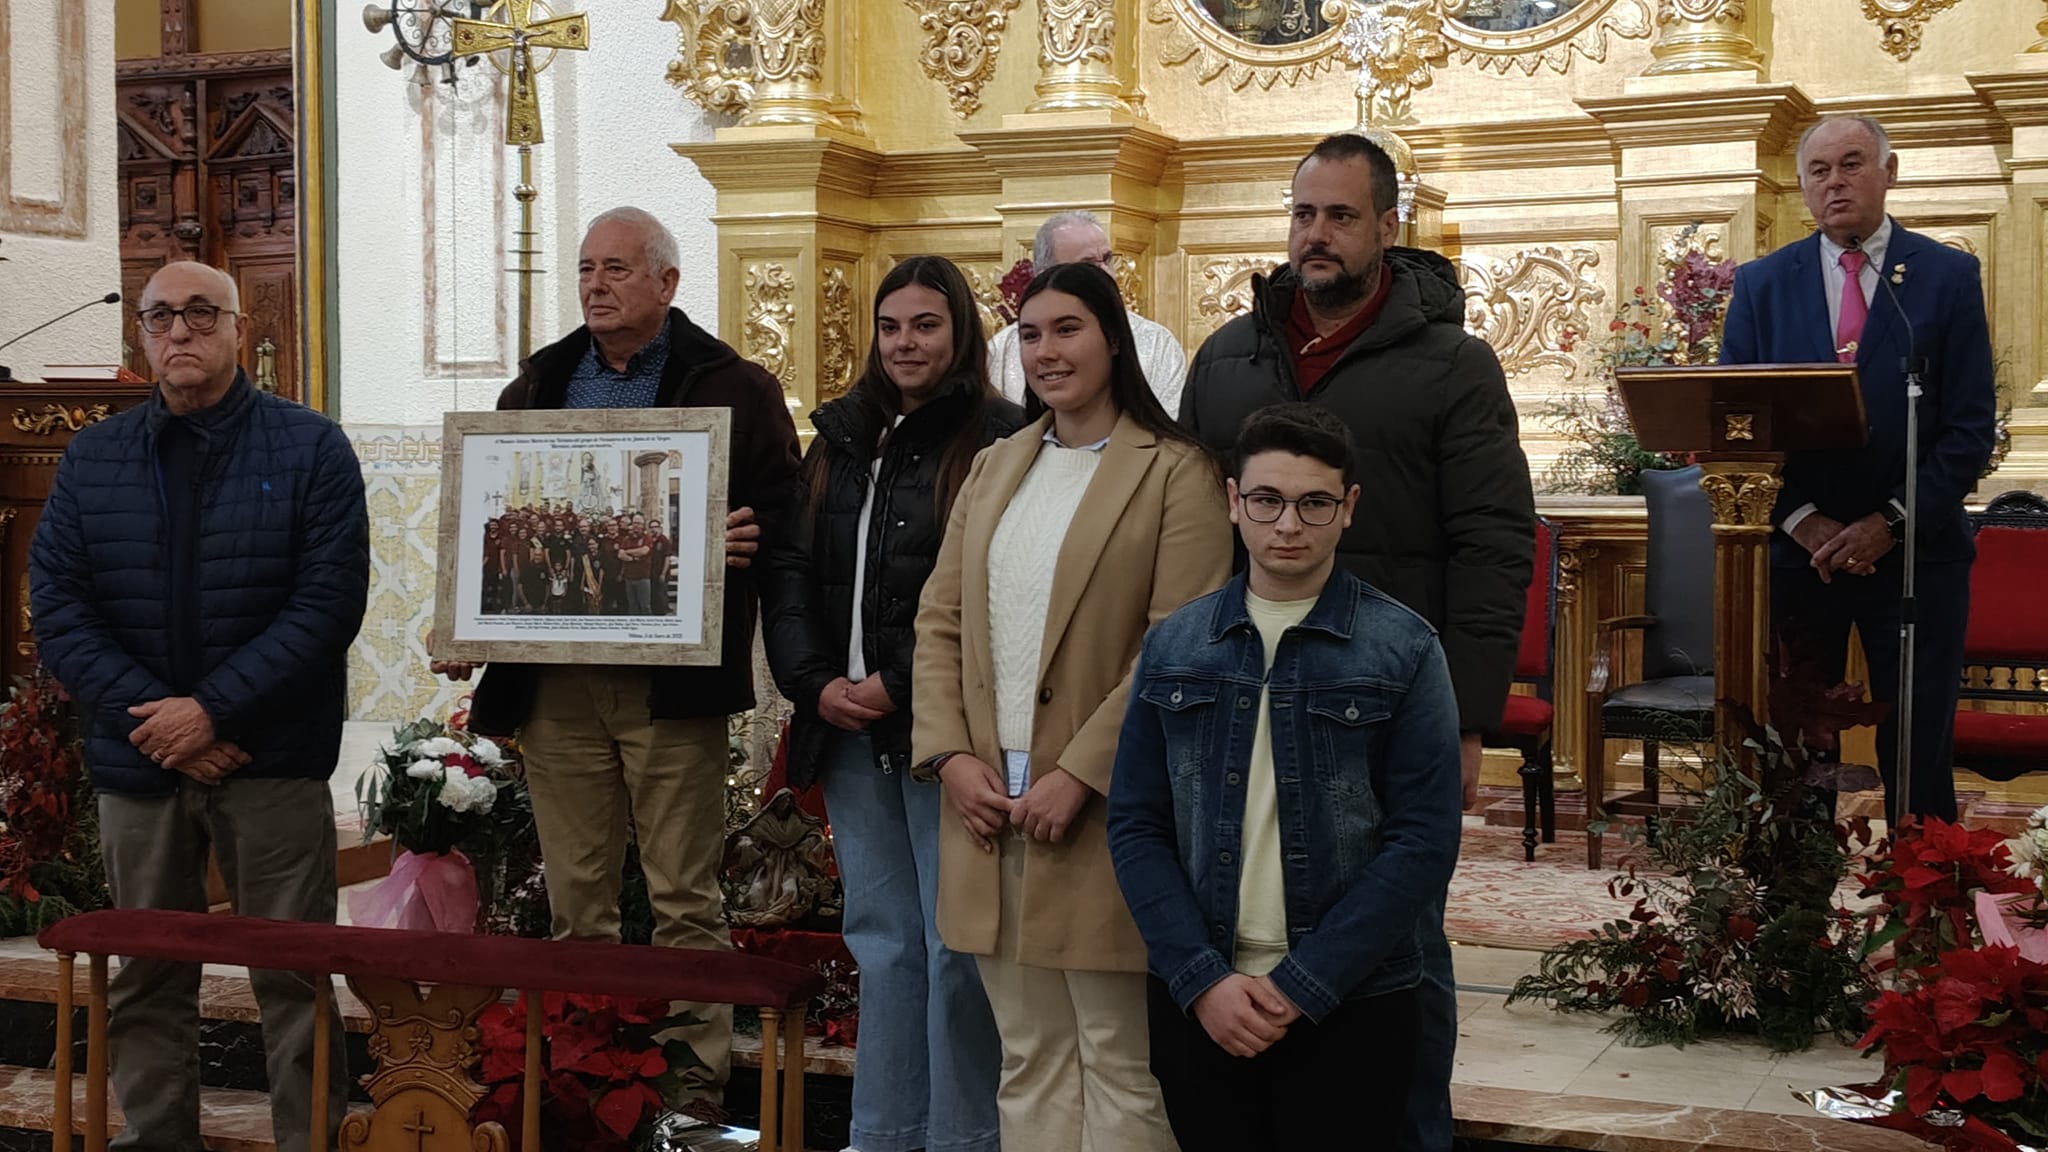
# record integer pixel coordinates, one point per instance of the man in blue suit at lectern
(1865, 291)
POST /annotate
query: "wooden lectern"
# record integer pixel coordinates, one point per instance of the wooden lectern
(1738, 421)
(37, 419)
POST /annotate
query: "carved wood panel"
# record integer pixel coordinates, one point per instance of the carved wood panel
(206, 173)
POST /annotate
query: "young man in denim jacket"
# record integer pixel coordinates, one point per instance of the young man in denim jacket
(1285, 806)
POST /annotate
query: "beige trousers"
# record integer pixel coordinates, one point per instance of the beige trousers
(1077, 1058)
(594, 759)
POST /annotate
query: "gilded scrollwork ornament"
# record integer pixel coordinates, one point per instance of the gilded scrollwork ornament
(1188, 35)
(1583, 31)
(1268, 43)
(1076, 30)
(962, 40)
(1224, 287)
(835, 335)
(1898, 22)
(714, 54)
(55, 416)
(771, 317)
(762, 60)
(987, 286)
(1530, 306)
(1703, 36)
(1741, 500)
(789, 63)
(1130, 281)
(1395, 46)
(1076, 44)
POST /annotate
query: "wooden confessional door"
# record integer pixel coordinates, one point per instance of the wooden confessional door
(206, 170)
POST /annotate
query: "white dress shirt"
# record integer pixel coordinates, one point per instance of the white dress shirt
(1833, 278)
(1164, 361)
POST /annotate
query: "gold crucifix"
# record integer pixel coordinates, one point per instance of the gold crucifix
(519, 35)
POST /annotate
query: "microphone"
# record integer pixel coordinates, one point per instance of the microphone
(7, 376)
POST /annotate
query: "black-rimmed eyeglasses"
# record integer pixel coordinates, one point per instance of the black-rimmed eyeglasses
(199, 318)
(1315, 510)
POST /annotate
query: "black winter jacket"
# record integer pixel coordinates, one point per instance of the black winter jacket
(702, 372)
(1447, 522)
(283, 574)
(808, 593)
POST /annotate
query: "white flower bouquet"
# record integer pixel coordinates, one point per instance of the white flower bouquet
(433, 790)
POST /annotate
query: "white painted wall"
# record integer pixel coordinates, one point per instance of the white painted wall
(610, 116)
(46, 274)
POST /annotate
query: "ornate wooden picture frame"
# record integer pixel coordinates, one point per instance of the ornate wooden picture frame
(583, 537)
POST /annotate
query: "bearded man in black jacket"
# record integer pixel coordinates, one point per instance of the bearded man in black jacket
(1375, 333)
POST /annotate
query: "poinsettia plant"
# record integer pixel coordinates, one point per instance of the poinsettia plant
(1964, 1030)
(1927, 877)
(605, 1077)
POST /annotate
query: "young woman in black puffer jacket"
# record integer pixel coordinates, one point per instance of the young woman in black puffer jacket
(840, 598)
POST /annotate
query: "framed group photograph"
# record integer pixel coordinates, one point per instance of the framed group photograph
(591, 536)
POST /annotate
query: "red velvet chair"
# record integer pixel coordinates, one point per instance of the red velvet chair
(1525, 724)
(2008, 630)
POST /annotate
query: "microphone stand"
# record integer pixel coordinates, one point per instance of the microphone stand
(6, 375)
(1909, 609)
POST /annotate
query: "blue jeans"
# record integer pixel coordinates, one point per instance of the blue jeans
(925, 1068)
(1429, 1102)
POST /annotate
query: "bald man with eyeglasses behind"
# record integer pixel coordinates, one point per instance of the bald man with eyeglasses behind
(197, 577)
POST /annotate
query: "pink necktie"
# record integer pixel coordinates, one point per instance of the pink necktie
(1849, 327)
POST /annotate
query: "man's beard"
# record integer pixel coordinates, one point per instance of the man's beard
(1344, 289)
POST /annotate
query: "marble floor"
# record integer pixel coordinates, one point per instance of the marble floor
(1528, 1046)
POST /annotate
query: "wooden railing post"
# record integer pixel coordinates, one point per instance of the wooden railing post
(60, 1119)
(771, 1025)
(792, 1083)
(96, 1058)
(323, 1039)
(529, 1121)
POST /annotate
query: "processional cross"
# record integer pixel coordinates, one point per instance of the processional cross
(519, 37)
(528, 26)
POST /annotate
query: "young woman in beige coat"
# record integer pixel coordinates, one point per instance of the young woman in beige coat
(1068, 540)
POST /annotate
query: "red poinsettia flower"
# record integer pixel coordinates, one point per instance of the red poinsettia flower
(621, 1109)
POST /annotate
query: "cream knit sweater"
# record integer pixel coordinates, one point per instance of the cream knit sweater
(1021, 558)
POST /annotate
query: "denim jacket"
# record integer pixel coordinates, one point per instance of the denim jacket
(1365, 748)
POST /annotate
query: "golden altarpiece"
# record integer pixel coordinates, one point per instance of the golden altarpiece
(1555, 149)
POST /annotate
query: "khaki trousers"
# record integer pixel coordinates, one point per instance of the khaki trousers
(274, 840)
(1077, 1073)
(594, 758)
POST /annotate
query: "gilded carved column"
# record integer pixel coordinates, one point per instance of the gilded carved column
(1704, 36)
(1570, 666)
(1078, 55)
(788, 39)
(1741, 493)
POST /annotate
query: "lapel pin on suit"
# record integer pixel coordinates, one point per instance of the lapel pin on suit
(1898, 273)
